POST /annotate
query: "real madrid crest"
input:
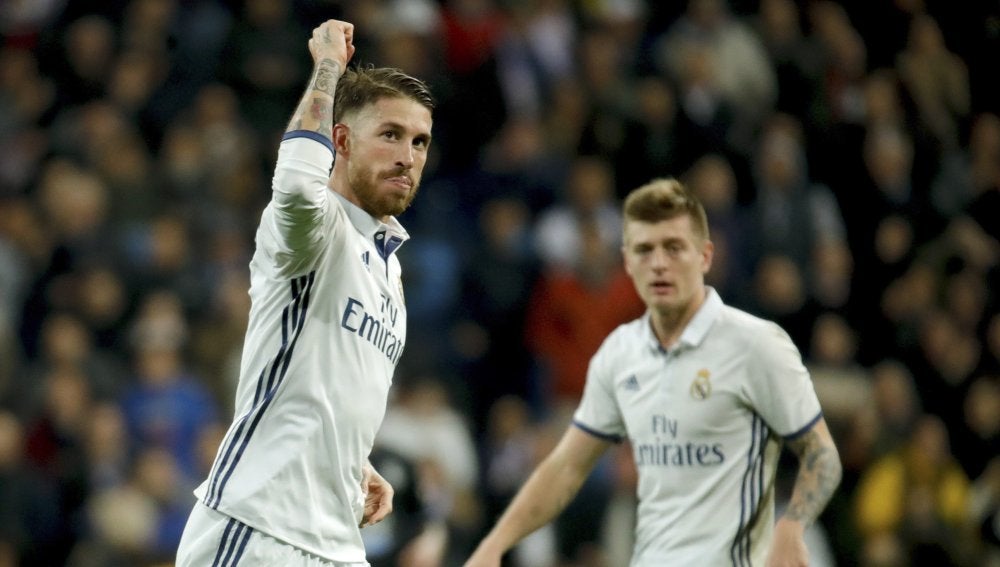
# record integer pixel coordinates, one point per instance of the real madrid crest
(701, 387)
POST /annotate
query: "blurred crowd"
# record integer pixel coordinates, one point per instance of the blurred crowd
(847, 153)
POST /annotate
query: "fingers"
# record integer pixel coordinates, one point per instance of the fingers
(348, 30)
(333, 39)
(383, 510)
(332, 30)
(378, 500)
(378, 495)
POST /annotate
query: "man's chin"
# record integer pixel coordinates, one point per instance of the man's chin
(397, 206)
(386, 206)
(663, 302)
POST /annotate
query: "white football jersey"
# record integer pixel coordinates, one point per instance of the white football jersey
(705, 420)
(327, 327)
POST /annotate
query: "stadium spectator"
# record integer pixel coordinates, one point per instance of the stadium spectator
(126, 122)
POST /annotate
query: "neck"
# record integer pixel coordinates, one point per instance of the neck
(669, 324)
(338, 184)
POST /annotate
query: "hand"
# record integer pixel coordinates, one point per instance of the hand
(788, 549)
(378, 496)
(333, 40)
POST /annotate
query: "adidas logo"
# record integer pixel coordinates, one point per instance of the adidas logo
(632, 384)
(364, 260)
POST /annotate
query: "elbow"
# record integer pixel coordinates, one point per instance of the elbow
(294, 186)
(835, 469)
(838, 472)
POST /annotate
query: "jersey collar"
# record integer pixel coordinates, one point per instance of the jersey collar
(697, 328)
(702, 321)
(387, 236)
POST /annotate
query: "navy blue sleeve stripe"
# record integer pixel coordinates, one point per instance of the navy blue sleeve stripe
(223, 543)
(230, 550)
(751, 493)
(236, 444)
(805, 428)
(242, 546)
(311, 135)
(598, 434)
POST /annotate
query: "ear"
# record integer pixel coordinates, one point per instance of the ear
(341, 139)
(628, 269)
(707, 254)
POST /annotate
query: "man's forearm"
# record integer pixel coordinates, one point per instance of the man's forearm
(819, 474)
(315, 110)
(545, 494)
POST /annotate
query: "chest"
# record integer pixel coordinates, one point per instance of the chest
(683, 397)
(365, 289)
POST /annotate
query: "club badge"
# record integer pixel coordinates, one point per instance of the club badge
(701, 388)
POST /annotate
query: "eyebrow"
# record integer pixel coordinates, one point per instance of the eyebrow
(658, 242)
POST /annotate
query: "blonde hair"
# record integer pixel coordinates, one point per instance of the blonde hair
(664, 199)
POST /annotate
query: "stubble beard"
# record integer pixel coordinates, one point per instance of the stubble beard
(364, 183)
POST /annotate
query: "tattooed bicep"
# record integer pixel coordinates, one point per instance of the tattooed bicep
(819, 473)
(816, 440)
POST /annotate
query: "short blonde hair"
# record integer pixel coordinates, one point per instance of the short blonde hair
(663, 199)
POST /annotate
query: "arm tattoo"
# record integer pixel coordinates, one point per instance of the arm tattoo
(819, 474)
(315, 110)
(326, 77)
(321, 112)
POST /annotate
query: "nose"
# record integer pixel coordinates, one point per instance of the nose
(660, 259)
(405, 159)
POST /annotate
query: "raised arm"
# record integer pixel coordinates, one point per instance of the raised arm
(302, 172)
(331, 47)
(818, 476)
(548, 490)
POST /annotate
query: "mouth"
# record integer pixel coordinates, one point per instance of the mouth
(401, 181)
(660, 287)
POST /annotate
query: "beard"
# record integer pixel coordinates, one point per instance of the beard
(364, 183)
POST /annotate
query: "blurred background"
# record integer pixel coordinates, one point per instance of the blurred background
(848, 155)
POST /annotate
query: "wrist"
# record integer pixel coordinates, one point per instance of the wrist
(791, 524)
(492, 545)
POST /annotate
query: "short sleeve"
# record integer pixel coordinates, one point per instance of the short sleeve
(599, 413)
(780, 389)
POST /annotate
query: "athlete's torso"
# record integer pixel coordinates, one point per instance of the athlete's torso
(701, 437)
(327, 327)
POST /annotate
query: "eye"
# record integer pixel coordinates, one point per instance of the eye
(390, 135)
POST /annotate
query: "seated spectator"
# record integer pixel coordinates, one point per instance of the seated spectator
(166, 407)
(918, 497)
(589, 198)
(570, 312)
(423, 426)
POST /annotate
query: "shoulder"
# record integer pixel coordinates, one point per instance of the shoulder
(625, 340)
(745, 328)
(758, 340)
